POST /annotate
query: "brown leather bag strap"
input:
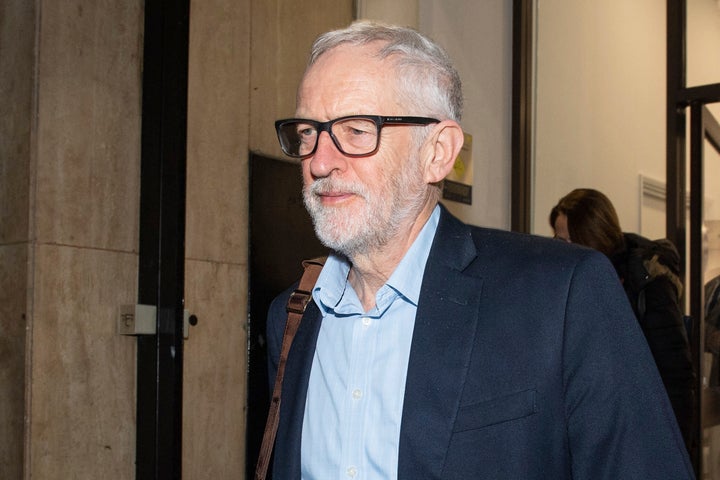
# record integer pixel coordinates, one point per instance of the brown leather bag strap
(296, 305)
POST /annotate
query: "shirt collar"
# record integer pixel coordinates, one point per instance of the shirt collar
(332, 287)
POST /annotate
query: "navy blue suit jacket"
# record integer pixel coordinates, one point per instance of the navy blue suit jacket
(526, 363)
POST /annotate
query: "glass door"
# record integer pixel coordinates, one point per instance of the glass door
(705, 274)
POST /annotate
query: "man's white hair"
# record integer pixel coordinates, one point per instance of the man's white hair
(427, 81)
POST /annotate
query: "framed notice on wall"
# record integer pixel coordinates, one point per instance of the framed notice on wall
(458, 184)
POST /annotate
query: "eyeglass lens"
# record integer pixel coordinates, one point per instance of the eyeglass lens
(352, 136)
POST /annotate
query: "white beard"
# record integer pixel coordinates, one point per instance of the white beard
(355, 231)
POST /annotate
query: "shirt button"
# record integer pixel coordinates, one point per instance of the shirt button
(366, 321)
(357, 393)
(351, 472)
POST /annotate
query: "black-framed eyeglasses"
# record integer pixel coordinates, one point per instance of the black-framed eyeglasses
(354, 136)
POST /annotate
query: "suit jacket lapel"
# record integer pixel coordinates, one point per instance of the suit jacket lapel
(443, 338)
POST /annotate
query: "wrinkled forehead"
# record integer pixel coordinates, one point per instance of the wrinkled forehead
(348, 79)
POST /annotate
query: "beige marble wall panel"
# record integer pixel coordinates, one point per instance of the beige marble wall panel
(218, 119)
(88, 123)
(283, 31)
(82, 422)
(215, 355)
(215, 372)
(17, 46)
(13, 314)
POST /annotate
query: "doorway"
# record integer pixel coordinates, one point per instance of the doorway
(690, 28)
(281, 236)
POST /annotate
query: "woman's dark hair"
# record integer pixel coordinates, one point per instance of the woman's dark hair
(591, 219)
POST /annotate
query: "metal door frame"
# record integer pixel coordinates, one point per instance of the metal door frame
(161, 274)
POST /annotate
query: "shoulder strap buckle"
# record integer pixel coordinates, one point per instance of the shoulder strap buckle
(298, 301)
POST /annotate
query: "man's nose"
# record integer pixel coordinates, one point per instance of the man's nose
(327, 157)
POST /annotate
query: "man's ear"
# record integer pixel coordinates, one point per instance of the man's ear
(442, 149)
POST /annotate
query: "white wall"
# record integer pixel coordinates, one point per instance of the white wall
(600, 104)
(600, 101)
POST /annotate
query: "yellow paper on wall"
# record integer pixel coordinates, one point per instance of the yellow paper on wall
(462, 171)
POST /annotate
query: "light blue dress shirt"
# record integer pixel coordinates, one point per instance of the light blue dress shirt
(351, 427)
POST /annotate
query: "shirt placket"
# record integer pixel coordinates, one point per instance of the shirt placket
(357, 396)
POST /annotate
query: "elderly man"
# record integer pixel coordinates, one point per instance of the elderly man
(433, 349)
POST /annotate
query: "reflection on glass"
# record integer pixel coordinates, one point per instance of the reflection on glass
(711, 280)
(703, 30)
